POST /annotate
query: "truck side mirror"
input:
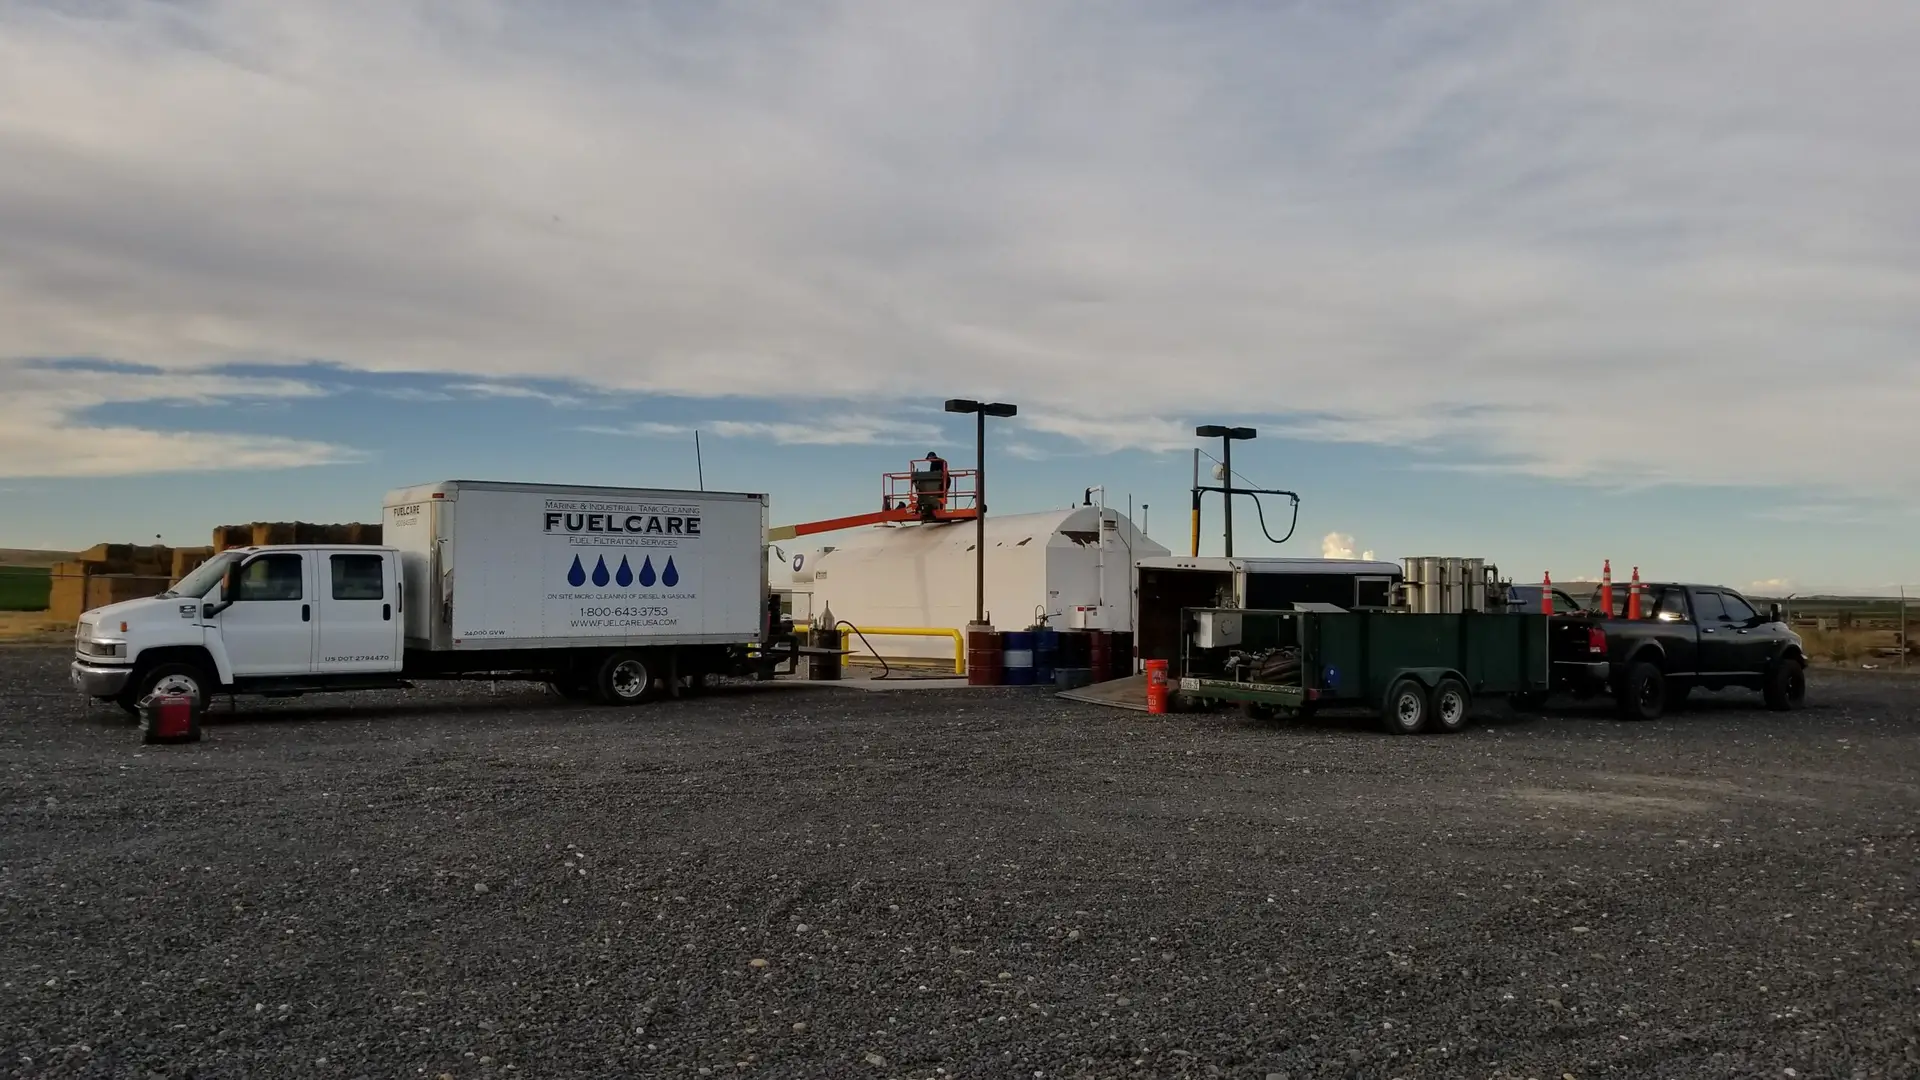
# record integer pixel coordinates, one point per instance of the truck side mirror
(1773, 612)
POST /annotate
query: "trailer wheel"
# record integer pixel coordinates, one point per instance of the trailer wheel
(623, 679)
(1451, 703)
(1643, 693)
(1405, 711)
(1786, 686)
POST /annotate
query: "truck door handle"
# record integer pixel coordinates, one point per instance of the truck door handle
(386, 612)
(306, 612)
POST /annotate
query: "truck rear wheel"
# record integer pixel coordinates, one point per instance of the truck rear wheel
(623, 679)
(1786, 685)
(1405, 711)
(1643, 693)
(1451, 702)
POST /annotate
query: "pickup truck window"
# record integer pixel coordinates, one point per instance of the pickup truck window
(1739, 610)
(1668, 605)
(1709, 609)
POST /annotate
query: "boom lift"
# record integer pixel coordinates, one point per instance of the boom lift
(928, 493)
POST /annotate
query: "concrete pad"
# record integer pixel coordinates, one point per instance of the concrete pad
(1127, 693)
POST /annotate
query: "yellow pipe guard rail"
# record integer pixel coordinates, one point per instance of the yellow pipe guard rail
(959, 640)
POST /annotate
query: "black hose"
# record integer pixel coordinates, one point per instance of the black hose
(885, 668)
(1262, 514)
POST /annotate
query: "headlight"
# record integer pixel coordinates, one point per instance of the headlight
(108, 649)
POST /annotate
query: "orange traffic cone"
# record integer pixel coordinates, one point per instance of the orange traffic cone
(1606, 590)
(1633, 596)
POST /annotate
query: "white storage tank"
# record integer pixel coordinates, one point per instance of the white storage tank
(1061, 563)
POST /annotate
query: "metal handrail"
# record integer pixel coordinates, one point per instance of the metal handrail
(847, 630)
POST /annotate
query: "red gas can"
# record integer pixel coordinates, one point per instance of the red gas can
(169, 718)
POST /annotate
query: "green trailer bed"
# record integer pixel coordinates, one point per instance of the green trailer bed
(1418, 671)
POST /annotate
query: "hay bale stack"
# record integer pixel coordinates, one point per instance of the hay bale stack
(231, 536)
(292, 532)
(67, 595)
(186, 561)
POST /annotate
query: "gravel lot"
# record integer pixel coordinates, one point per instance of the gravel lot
(788, 882)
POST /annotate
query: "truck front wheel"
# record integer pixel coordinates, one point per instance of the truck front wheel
(165, 679)
(1786, 685)
(623, 679)
(1643, 693)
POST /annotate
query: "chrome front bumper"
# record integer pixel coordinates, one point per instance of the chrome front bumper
(100, 681)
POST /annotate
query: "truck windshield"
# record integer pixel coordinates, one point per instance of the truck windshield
(201, 582)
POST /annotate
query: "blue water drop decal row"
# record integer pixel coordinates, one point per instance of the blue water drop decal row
(624, 576)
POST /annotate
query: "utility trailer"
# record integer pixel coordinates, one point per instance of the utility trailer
(1418, 671)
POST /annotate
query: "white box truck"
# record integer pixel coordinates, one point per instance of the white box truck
(606, 593)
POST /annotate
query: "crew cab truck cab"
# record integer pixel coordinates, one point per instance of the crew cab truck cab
(603, 593)
(268, 620)
(1688, 636)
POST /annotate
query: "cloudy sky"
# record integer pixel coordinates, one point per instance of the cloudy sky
(1539, 283)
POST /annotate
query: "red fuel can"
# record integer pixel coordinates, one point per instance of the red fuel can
(169, 718)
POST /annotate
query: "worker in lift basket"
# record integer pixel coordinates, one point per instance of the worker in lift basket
(930, 486)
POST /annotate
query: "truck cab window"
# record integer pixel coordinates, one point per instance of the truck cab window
(1670, 605)
(1739, 610)
(359, 577)
(271, 577)
(1710, 610)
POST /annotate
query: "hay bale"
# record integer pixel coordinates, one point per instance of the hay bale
(231, 536)
(102, 554)
(363, 534)
(67, 595)
(273, 532)
(186, 561)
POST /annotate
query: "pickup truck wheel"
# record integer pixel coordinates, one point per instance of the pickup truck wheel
(1643, 694)
(1405, 710)
(1786, 685)
(1450, 703)
(168, 678)
(623, 679)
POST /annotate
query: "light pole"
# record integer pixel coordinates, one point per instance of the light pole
(981, 410)
(1226, 435)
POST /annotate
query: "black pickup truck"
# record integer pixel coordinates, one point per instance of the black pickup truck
(1687, 636)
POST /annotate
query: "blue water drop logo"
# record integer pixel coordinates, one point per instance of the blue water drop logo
(672, 576)
(577, 576)
(623, 577)
(600, 575)
(646, 573)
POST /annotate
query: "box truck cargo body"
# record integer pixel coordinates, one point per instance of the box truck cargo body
(604, 593)
(523, 566)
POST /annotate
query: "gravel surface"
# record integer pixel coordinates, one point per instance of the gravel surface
(806, 881)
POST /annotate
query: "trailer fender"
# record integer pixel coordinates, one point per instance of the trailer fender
(1428, 677)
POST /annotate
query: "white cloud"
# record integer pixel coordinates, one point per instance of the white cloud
(1339, 545)
(519, 392)
(1626, 242)
(1769, 587)
(834, 431)
(45, 432)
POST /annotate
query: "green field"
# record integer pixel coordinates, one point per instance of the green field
(24, 588)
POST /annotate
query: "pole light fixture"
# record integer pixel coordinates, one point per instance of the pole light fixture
(1227, 436)
(980, 410)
